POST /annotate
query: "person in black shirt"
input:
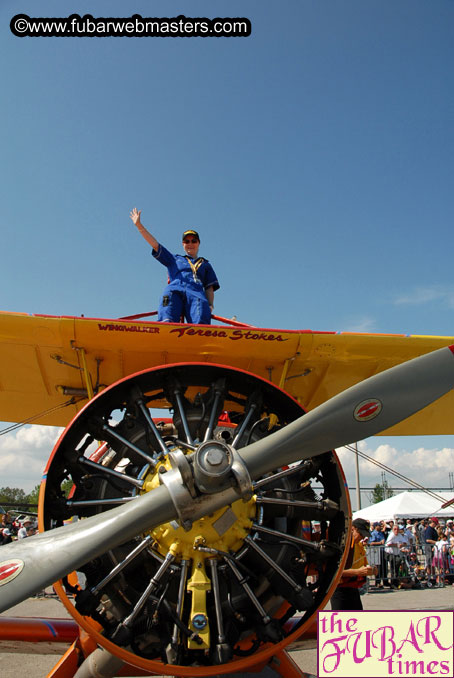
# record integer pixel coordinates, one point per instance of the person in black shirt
(430, 538)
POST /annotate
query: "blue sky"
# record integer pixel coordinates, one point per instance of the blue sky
(315, 158)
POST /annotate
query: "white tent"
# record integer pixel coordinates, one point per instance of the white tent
(408, 505)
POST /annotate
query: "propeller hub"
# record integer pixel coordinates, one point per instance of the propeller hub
(212, 465)
(222, 530)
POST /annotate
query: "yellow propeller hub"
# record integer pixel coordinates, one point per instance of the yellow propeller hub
(224, 530)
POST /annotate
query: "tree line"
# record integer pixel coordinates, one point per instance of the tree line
(15, 497)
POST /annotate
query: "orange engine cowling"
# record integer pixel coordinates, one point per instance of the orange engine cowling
(211, 595)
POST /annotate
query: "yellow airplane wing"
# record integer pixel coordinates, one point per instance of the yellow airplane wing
(50, 365)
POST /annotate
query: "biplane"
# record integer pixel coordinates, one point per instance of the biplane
(198, 458)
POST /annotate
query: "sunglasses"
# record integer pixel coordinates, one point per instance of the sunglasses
(193, 241)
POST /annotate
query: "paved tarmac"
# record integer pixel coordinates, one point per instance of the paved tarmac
(304, 653)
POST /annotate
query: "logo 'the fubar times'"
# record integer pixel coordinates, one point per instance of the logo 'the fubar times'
(376, 644)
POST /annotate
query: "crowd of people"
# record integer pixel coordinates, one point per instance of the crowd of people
(12, 529)
(398, 554)
(409, 552)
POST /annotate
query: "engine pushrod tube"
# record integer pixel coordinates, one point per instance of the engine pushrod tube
(108, 429)
(281, 474)
(98, 502)
(304, 543)
(243, 583)
(209, 431)
(154, 583)
(320, 505)
(274, 565)
(187, 446)
(184, 421)
(244, 424)
(118, 568)
(181, 592)
(111, 472)
(149, 419)
(217, 599)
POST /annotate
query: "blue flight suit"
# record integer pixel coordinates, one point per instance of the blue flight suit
(185, 292)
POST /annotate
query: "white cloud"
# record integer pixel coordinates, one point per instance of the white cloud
(363, 323)
(426, 295)
(24, 454)
(428, 467)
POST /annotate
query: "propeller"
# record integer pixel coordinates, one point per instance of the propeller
(363, 410)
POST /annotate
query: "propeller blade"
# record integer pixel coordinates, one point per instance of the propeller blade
(363, 410)
(29, 565)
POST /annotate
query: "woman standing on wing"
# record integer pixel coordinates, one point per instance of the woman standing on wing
(192, 280)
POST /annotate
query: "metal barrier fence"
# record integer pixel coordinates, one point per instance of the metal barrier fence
(411, 568)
